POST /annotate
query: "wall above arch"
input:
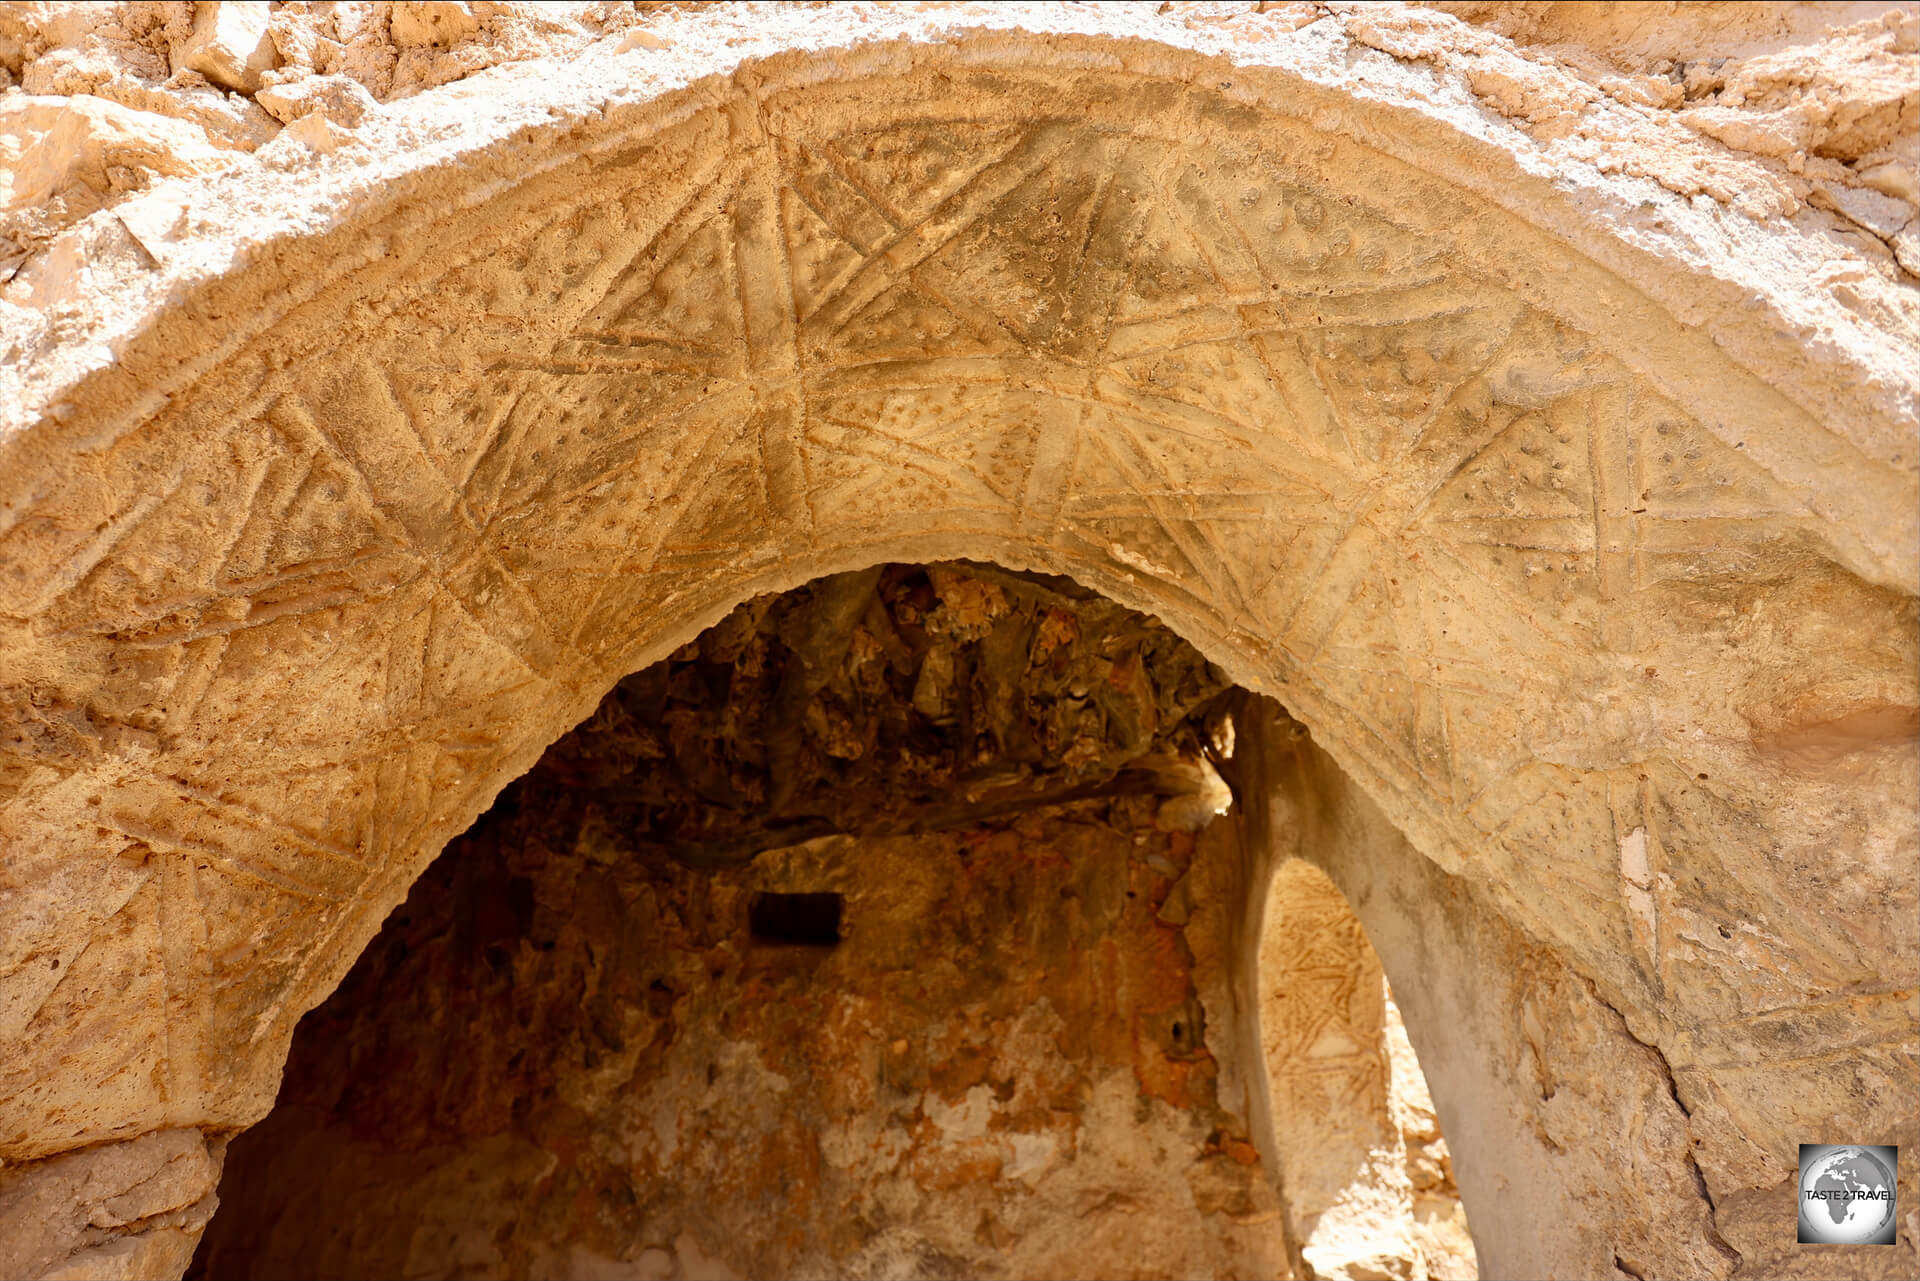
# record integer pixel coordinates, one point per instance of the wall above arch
(1541, 509)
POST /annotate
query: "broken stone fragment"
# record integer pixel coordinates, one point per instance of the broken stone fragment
(1883, 215)
(1893, 179)
(1763, 133)
(1906, 252)
(162, 1252)
(155, 221)
(229, 120)
(67, 157)
(230, 44)
(641, 38)
(341, 99)
(314, 131)
(301, 47)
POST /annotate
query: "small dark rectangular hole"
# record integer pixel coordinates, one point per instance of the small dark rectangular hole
(809, 919)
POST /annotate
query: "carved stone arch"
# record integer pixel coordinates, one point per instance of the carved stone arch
(341, 539)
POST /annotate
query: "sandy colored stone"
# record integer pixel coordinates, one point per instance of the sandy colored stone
(65, 158)
(1756, 78)
(118, 1210)
(424, 22)
(1368, 1177)
(1605, 84)
(229, 44)
(338, 98)
(1552, 459)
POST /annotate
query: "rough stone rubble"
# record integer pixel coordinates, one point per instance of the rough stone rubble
(1781, 111)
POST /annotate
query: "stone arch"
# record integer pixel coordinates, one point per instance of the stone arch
(1367, 1172)
(1389, 427)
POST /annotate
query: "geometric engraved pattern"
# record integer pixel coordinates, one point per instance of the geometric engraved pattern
(1323, 1020)
(333, 595)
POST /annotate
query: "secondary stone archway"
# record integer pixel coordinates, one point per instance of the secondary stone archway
(1617, 631)
(1367, 1172)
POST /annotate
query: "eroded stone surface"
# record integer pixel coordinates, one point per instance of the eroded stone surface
(1002, 1071)
(1534, 1077)
(1812, 102)
(893, 700)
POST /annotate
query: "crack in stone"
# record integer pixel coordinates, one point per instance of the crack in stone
(1734, 1257)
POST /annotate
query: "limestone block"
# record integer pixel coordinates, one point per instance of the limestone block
(230, 44)
(63, 159)
(1893, 178)
(162, 1252)
(1883, 215)
(1857, 92)
(72, 149)
(313, 131)
(1906, 251)
(343, 100)
(156, 221)
(129, 1209)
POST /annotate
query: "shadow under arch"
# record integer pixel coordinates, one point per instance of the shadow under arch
(580, 1046)
(885, 930)
(334, 575)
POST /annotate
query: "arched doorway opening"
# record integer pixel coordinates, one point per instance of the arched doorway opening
(1369, 1176)
(890, 928)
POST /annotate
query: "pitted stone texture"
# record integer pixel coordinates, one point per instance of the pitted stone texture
(1535, 1079)
(1596, 576)
(229, 44)
(1781, 107)
(1512, 91)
